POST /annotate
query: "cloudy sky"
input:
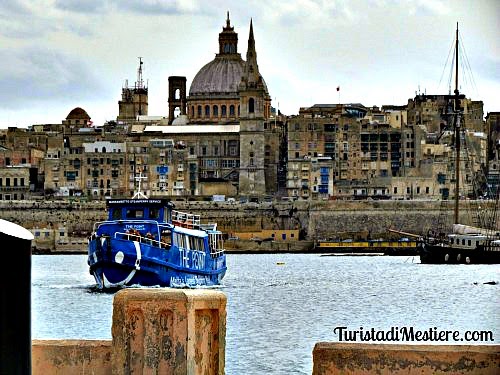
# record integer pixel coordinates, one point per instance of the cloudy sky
(61, 54)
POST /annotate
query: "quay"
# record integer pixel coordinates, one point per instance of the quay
(64, 226)
(175, 331)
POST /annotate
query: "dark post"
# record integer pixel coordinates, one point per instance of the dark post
(15, 298)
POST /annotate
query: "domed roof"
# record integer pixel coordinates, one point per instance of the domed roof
(78, 114)
(181, 120)
(221, 76)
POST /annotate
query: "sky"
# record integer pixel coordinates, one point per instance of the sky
(60, 54)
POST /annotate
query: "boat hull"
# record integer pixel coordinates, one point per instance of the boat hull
(116, 263)
(445, 254)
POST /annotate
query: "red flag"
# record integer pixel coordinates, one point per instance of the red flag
(338, 88)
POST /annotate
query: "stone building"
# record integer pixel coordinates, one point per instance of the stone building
(227, 126)
(134, 100)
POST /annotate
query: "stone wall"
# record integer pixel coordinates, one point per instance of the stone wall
(358, 359)
(315, 219)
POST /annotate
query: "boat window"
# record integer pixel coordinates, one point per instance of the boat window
(193, 245)
(180, 239)
(469, 242)
(135, 214)
(116, 214)
(166, 238)
(463, 242)
(154, 213)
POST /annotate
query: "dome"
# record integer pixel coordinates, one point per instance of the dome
(221, 76)
(78, 114)
(181, 120)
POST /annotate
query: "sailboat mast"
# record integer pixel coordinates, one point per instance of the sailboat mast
(457, 132)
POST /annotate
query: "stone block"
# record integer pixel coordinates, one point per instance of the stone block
(75, 357)
(169, 331)
(359, 359)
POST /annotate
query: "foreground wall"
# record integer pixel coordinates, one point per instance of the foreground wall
(155, 331)
(359, 359)
(60, 357)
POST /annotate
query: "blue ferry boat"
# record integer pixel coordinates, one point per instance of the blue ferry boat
(145, 242)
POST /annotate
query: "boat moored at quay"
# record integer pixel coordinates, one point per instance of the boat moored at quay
(145, 242)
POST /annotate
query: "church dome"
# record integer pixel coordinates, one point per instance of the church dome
(221, 76)
(78, 114)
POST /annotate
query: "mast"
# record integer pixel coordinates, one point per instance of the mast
(457, 132)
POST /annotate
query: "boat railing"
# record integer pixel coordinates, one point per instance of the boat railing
(143, 239)
(121, 222)
(185, 220)
(209, 227)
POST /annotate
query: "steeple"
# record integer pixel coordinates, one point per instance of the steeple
(228, 39)
(251, 74)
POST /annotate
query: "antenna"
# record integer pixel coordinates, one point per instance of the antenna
(139, 83)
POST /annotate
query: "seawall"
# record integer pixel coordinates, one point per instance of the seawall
(65, 225)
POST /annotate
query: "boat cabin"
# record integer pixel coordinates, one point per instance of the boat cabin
(467, 241)
(140, 209)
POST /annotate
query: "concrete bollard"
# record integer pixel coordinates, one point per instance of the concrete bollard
(15, 299)
(169, 331)
(358, 359)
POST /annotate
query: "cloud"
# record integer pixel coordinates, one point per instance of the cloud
(13, 7)
(171, 7)
(36, 75)
(78, 6)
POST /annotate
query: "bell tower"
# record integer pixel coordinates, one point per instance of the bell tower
(176, 96)
(253, 94)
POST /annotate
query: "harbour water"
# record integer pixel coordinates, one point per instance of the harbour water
(280, 305)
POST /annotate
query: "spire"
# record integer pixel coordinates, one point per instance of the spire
(228, 22)
(250, 37)
(251, 74)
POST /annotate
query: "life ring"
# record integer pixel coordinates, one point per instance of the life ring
(127, 279)
(447, 257)
(459, 256)
(467, 260)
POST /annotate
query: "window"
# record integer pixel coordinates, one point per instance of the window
(231, 110)
(199, 111)
(223, 111)
(207, 111)
(215, 111)
(395, 190)
(135, 214)
(251, 105)
(192, 111)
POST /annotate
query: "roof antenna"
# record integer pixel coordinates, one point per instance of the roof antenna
(140, 83)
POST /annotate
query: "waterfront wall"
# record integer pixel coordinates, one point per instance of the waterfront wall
(359, 359)
(315, 220)
(155, 331)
